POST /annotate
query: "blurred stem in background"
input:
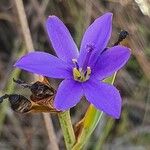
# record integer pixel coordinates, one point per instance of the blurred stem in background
(104, 134)
(30, 47)
(9, 89)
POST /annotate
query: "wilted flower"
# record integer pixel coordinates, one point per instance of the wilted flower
(82, 72)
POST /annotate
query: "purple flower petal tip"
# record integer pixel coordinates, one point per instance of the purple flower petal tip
(52, 16)
(97, 36)
(109, 14)
(61, 39)
(59, 108)
(117, 116)
(104, 97)
(111, 61)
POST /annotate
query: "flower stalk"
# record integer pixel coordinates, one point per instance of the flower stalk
(67, 129)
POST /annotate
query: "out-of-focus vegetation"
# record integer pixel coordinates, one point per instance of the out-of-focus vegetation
(28, 131)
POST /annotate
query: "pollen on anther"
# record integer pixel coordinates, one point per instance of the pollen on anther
(76, 73)
(88, 70)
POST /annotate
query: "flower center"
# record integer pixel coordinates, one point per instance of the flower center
(83, 74)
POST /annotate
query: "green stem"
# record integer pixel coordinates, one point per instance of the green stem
(10, 87)
(90, 121)
(67, 129)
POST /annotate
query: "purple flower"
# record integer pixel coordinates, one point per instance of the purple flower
(82, 72)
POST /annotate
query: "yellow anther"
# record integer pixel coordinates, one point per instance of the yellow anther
(76, 73)
(88, 71)
(80, 75)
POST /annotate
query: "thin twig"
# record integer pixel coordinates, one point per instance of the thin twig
(29, 45)
(24, 25)
(50, 131)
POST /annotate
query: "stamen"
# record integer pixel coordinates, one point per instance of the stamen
(90, 48)
(83, 74)
(76, 74)
(87, 73)
(75, 63)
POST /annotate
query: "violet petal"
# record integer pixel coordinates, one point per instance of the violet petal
(44, 64)
(111, 61)
(68, 95)
(61, 39)
(96, 35)
(104, 97)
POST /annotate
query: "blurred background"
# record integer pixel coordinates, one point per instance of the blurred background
(28, 131)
